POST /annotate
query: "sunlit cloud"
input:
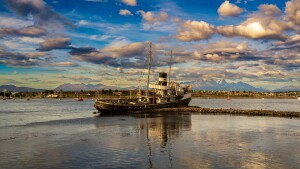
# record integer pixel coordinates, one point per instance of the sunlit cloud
(194, 30)
(130, 2)
(55, 43)
(229, 9)
(258, 26)
(292, 13)
(31, 31)
(125, 12)
(151, 18)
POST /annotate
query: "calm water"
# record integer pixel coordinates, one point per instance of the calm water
(65, 134)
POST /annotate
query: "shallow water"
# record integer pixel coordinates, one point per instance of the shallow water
(249, 104)
(65, 134)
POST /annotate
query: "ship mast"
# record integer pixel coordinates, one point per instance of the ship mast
(149, 63)
(170, 67)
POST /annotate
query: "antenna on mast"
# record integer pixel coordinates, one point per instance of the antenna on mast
(170, 66)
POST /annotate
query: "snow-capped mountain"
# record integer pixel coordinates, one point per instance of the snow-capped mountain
(222, 85)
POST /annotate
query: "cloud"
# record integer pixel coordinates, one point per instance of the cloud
(55, 43)
(293, 40)
(31, 40)
(266, 23)
(20, 59)
(129, 2)
(38, 9)
(194, 30)
(61, 64)
(224, 51)
(83, 79)
(82, 50)
(269, 10)
(109, 28)
(31, 31)
(125, 12)
(131, 55)
(288, 59)
(151, 18)
(258, 26)
(228, 9)
(292, 13)
(36, 54)
(9, 22)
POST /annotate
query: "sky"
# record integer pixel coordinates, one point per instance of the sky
(44, 44)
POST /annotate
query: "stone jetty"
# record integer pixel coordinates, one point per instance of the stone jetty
(199, 110)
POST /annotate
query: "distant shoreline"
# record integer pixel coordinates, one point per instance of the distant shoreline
(196, 97)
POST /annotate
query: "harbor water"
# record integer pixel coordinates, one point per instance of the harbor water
(43, 133)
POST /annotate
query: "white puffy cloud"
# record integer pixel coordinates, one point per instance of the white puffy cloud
(151, 18)
(195, 30)
(129, 2)
(214, 57)
(125, 12)
(292, 13)
(269, 10)
(262, 25)
(228, 9)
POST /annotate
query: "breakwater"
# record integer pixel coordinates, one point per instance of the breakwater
(200, 110)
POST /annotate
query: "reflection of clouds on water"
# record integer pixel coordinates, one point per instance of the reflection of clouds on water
(157, 141)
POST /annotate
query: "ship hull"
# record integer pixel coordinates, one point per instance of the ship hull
(108, 108)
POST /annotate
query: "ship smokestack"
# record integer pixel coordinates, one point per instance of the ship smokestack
(162, 79)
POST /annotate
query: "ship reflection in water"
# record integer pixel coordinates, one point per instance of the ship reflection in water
(200, 141)
(150, 140)
(61, 134)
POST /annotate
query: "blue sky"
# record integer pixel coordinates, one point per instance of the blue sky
(47, 43)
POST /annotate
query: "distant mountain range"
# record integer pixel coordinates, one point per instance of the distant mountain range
(213, 85)
(14, 88)
(210, 85)
(222, 85)
(82, 86)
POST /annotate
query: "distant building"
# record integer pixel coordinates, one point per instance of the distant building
(117, 93)
(52, 96)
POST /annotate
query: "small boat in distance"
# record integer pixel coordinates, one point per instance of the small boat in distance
(163, 94)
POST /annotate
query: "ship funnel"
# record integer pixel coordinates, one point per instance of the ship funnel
(162, 79)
